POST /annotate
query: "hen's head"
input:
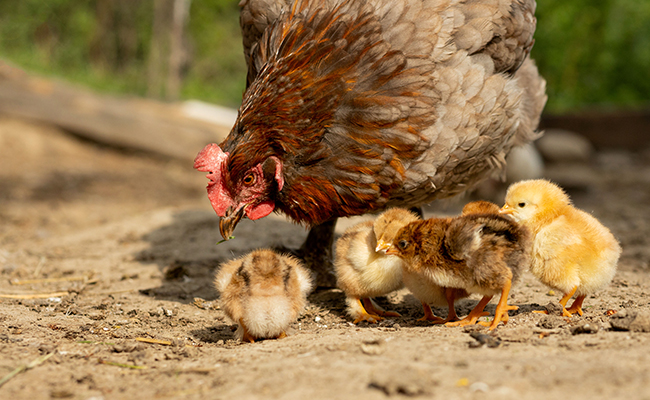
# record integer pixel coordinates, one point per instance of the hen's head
(234, 195)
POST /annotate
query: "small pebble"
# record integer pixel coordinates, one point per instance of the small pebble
(479, 387)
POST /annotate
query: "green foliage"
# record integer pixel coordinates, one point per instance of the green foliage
(593, 53)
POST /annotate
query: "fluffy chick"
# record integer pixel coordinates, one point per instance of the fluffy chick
(263, 292)
(572, 251)
(428, 292)
(480, 207)
(480, 253)
(363, 270)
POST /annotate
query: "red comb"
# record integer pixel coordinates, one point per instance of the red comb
(210, 158)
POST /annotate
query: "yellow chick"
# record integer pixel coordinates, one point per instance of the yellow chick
(572, 251)
(263, 292)
(363, 270)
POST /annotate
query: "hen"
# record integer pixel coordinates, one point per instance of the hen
(356, 106)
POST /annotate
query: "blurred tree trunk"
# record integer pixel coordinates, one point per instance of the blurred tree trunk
(115, 44)
(168, 55)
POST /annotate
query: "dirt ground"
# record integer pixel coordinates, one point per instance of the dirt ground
(127, 243)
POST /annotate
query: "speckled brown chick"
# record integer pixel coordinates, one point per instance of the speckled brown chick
(263, 292)
(481, 253)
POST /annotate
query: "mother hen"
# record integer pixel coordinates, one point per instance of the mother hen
(355, 106)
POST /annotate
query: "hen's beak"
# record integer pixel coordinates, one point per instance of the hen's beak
(382, 246)
(506, 210)
(228, 222)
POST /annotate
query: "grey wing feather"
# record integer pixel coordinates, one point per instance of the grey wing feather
(255, 16)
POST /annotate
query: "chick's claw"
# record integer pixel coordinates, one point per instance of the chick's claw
(428, 316)
(474, 315)
(378, 311)
(576, 307)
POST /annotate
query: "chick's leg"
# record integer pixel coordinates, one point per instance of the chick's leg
(373, 308)
(565, 299)
(363, 315)
(450, 295)
(576, 307)
(428, 315)
(501, 313)
(247, 337)
(475, 314)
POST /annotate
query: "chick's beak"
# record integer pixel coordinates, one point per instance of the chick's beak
(382, 246)
(506, 210)
(228, 222)
(392, 251)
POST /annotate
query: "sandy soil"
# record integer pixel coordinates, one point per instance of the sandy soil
(129, 244)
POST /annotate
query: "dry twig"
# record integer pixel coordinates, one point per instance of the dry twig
(35, 363)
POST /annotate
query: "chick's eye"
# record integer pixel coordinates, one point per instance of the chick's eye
(402, 244)
(249, 180)
(522, 205)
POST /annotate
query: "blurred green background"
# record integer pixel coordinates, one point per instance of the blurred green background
(593, 53)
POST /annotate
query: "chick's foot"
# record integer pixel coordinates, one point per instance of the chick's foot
(429, 316)
(576, 307)
(474, 315)
(501, 313)
(374, 309)
(565, 299)
(247, 337)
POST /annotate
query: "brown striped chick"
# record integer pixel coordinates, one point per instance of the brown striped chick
(480, 253)
(572, 251)
(428, 292)
(263, 292)
(363, 270)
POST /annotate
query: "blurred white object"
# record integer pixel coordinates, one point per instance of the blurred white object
(561, 145)
(524, 162)
(209, 112)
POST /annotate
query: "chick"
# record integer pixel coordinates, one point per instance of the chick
(363, 270)
(480, 207)
(480, 253)
(263, 292)
(429, 293)
(572, 252)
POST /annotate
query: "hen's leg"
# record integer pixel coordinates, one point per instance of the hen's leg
(475, 314)
(316, 253)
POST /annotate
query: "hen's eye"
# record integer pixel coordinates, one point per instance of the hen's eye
(403, 244)
(522, 205)
(249, 180)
